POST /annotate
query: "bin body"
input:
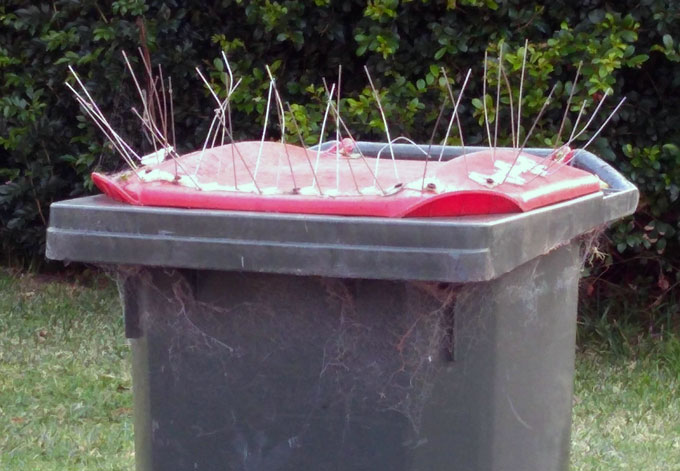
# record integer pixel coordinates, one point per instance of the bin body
(289, 342)
(243, 371)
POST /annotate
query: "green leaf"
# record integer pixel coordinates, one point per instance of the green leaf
(668, 41)
(627, 150)
(596, 16)
(638, 60)
(661, 245)
(492, 4)
(671, 148)
(628, 35)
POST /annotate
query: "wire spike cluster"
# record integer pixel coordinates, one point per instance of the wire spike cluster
(519, 143)
(157, 118)
(150, 119)
(341, 123)
(315, 180)
(223, 119)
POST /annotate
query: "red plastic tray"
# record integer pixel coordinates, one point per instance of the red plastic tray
(349, 184)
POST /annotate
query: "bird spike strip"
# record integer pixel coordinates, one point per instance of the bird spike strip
(337, 178)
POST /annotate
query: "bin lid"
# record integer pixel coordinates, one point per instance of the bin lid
(469, 248)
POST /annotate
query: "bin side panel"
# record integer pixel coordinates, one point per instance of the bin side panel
(505, 403)
(254, 371)
(242, 371)
(142, 406)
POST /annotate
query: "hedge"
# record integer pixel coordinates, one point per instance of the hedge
(627, 48)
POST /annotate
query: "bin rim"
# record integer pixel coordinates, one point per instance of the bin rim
(96, 229)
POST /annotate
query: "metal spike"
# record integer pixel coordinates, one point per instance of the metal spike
(384, 119)
(205, 143)
(172, 119)
(104, 128)
(156, 134)
(282, 121)
(341, 122)
(172, 113)
(264, 128)
(531, 130)
(498, 99)
(243, 161)
(429, 146)
(602, 126)
(91, 103)
(315, 180)
(592, 117)
(337, 135)
(512, 111)
(578, 151)
(164, 113)
(323, 128)
(566, 110)
(455, 111)
(521, 86)
(486, 113)
(142, 97)
(578, 119)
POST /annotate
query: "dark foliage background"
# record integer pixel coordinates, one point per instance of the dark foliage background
(629, 48)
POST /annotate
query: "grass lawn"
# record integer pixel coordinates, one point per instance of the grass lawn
(65, 388)
(627, 410)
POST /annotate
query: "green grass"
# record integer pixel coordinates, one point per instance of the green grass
(65, 397)
(65, 401)
(627, 409)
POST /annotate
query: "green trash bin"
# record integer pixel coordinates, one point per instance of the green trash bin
(296, 342)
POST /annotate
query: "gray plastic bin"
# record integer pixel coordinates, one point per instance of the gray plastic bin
(291, 342)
